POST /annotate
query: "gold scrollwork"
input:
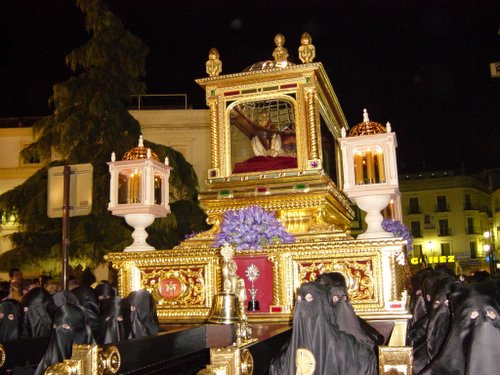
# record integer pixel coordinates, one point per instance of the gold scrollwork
(246, 362)
(230, 360)
(63, 368)
(88, 359)
(358, 274)
(110, 360)
(176, 287)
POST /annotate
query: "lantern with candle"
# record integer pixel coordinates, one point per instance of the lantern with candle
(370, 177)
(139, 191)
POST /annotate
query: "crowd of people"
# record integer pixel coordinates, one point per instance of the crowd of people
(82, 315)
(455, 329)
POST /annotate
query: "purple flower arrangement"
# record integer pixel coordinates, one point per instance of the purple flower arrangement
(398, 229)
(251, 228)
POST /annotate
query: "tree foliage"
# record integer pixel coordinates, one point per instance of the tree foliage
(89, 121)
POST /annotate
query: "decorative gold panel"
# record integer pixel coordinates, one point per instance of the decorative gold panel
(395, 360)
(183, 286)
(185, 281)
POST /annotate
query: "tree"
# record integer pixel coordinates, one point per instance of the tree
(89, 122)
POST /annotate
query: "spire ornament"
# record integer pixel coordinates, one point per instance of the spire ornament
(307, 51)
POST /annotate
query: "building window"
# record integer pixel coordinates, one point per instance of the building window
(473, 249)
(414, 206)
(442, 206)
(31, 159)
(467, 202)
(445, 249)
(415, 229)
(444, 230)
(470, 225)
(417, 251)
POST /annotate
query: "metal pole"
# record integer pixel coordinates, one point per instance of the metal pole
(65, 226)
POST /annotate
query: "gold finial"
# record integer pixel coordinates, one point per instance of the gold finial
(280, 53)
(307, 51)
(213, 65)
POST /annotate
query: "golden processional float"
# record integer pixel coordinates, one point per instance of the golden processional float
(280, 141)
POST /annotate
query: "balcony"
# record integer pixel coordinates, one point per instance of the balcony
(472, 230)
(444, 232)
(414, 211)
(471, 207)
(442, 208)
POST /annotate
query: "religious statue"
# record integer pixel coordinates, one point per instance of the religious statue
(213, 65)
(280, 53)
(307, 51)
(229, 268)
(242, 296)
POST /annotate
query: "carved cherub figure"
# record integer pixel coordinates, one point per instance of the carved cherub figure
(213, 65)
(307, 51)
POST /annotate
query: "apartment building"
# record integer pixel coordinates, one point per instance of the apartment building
(453, 219)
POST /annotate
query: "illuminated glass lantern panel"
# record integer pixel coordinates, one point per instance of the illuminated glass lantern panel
(369, 165)
(139, 183)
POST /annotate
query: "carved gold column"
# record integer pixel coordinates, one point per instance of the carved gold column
(214, 134)
(311, 122)
(277, 297)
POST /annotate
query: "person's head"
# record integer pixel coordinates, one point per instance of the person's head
(45, 280)
(15, 275)
(11, 319)
(114, 323)
(104, 291)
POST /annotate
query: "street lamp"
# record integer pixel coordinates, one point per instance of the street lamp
(489, 251)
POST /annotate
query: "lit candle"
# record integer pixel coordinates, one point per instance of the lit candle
(380, 166)
(369, 167)
(134, 187)
(358, 168)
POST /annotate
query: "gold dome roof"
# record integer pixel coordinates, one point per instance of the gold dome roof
(367, 127)
(140, 152)
(280, 55)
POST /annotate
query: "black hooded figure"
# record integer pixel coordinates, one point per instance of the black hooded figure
(11, 320)
(104, 291)
(143, 313)
(471, 346)
(345, 317)
(64, 296)
(87, 299)
(114, 322)
(38, 311)
(69, 328)
(335, 352)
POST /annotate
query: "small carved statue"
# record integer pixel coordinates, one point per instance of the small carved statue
(242, 296)
(280, 53)
(213, 65)
(307, 51)
(228, 270)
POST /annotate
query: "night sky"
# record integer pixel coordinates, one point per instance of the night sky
(422, 65)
